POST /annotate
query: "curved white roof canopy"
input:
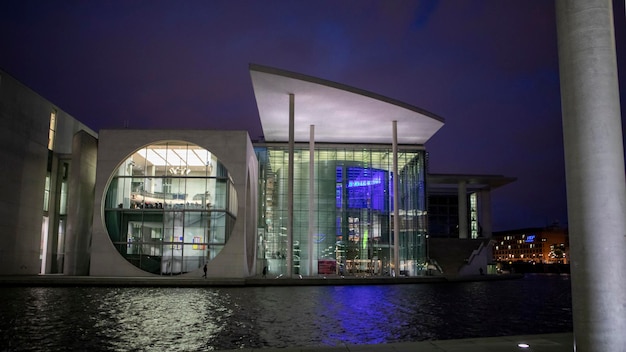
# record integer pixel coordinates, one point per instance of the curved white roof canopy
(341, 114)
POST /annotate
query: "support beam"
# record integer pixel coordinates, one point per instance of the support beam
(594, 172)
(290, 169)
(82, 182)
(311, 196)
(396, 207)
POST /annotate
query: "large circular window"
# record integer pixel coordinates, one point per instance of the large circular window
(170, 207)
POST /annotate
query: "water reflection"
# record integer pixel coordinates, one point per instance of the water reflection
(184, 319)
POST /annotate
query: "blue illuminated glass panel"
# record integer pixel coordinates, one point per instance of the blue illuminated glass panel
(365, 188)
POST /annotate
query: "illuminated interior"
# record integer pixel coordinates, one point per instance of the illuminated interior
(352, 207)
(170, 207)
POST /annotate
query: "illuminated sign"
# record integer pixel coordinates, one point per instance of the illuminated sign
(363, 188)
(530, 238)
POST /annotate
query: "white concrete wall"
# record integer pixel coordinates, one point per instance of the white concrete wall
(24, 125)
(232, 148)
(478, 260)
(80, 204)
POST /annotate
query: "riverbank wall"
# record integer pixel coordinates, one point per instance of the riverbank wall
(185, 281)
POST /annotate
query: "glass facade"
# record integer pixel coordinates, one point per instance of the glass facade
(352, 230)
(170, 207)
(52, 244)
(443, 215)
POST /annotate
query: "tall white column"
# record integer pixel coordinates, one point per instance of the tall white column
(311, 196)
(462, 208)
(290, 169)
(594, 169)
(82, 182)
(396, 202)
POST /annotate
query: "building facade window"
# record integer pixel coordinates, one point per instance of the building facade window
(46, 194)
(353, 210)
(473, 215)
(52, 130)
(64, 191)
(170, 207)
(443, 216)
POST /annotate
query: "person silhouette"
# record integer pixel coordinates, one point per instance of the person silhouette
(204, 276)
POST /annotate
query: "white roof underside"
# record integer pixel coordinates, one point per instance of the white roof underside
(341, 114)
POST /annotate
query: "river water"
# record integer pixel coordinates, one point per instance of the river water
(204, 319)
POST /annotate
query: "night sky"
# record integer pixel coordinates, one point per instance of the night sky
(489, 68)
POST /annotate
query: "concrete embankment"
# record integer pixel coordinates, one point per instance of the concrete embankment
(188, 281)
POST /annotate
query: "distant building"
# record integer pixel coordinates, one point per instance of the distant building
(548, 245)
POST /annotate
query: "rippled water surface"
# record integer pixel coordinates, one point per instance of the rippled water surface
(202, 319)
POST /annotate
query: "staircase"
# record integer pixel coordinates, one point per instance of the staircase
(458, 256)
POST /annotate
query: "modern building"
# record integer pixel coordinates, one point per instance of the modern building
(169, 201)
(459, 206)
(337, 186)
(459, 222)
(49, 157)
(549, 245)
(358, 173)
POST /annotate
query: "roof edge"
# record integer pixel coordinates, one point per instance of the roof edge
(344, 87)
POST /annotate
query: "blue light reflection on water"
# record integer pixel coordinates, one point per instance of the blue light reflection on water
(202, 319)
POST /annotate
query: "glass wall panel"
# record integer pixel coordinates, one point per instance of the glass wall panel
(352, 210)
(220, 194)
(196, 188)
(164, 207)
(412, 188)
(46, 195)
(63, 198)
(193, 257)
